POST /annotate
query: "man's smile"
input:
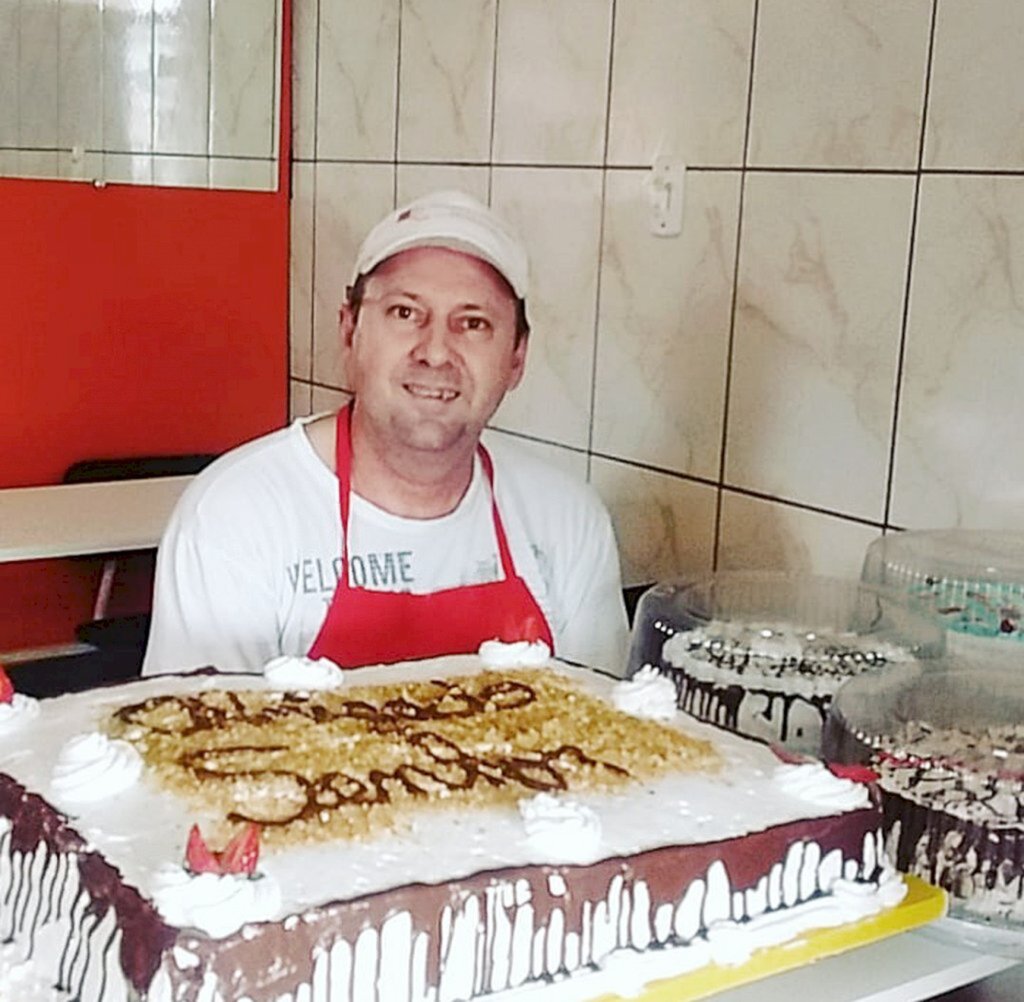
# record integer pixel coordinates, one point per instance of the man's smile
(430, 392)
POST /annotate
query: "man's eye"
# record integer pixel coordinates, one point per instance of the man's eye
(402, 311)
(475, 324)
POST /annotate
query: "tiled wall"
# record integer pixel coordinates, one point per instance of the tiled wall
(835, 342)
(166, 92)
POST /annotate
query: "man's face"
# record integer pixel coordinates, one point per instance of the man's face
(433, 351)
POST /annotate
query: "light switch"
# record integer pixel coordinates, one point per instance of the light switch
(666, 187)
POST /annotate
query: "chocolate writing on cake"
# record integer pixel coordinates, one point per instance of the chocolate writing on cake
(357, 760)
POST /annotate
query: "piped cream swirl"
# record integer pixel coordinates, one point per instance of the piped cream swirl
(290, 672)
(218, 904)
(94, 767)
(647, 694)
(562, 831)
(20, 710)
(521, 654)
(812, 781)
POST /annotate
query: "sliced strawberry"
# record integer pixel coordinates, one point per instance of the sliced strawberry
(198, 858)
(6, 687)
(242, 852)
(858, 773)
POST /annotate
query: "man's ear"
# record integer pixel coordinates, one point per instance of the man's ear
(346, 325)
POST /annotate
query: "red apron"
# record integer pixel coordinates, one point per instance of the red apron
(365, 627)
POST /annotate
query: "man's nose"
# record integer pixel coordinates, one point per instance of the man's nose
(433, 346)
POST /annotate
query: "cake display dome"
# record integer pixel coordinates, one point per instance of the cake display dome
(763, 653)
(946, 740)
(972, 579)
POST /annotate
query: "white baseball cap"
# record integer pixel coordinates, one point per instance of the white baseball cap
(449, 219)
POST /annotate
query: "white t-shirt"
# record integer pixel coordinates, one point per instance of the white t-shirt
(249, 561)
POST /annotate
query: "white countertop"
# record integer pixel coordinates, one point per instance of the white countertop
(912, 966)
(74, 519)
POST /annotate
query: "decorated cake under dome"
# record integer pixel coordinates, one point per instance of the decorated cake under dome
(947, 742)
(972, 579)
(763, 653)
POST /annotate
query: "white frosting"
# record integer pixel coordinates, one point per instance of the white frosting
(93, 767)
(562, 831)
(20, 710)
(521, 654)
(218, 904)
(813, 782)
(647, 694)
(289, 673)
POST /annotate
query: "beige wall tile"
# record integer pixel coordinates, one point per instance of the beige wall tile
(243, 174)
(79, 95)
(324, 399)
(558, 215)
(350, 198)
(128, 168)
(300, 306)
(663, 331)
(305, 34)
(818, 315)
(958, 449)
(763, 535)
(181, 94)
(976, 99)
(839, 84)
(127, 78)
(416, 180)
(572, 461)
(83, 166)
(9, 64)
(38, 75)
(680, 74)
(551, 86)
(299, 394)
(357, 85)
(181, 172)
(445, 80)
(243, 120)
(664, 525)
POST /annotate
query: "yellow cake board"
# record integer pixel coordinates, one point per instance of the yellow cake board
(922, 904)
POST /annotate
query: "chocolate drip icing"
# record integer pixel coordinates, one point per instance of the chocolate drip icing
(720, 704)
(38, 828)
(960, 856)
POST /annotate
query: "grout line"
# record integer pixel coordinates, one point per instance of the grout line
(316, 88)
(398, 107)
(209, 86)
(313, 195)
(730, 345)
(602, 219)
(703, 168)
(494, 106)
(152, 86)
(908, 280)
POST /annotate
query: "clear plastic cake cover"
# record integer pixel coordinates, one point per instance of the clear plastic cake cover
(973, 579)
(946, 739)
(762, 653)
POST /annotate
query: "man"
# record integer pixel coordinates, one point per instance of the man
(387, 531)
